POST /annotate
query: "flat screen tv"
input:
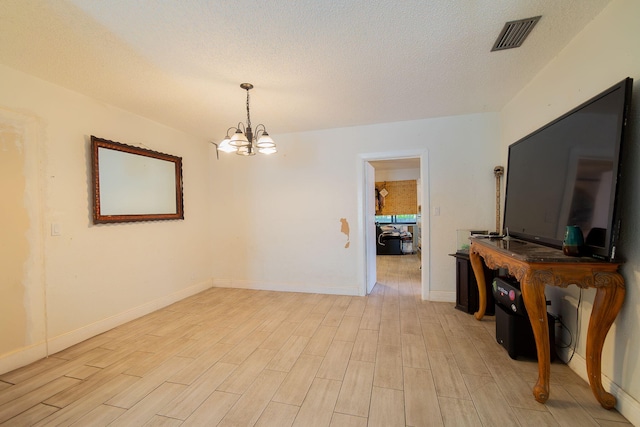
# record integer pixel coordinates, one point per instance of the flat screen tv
(567, 173)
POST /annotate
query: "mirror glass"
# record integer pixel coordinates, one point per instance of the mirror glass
(134, 184)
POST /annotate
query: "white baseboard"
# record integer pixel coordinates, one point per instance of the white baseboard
(261, 286)
(440, 296)
(626, 405)
(22, 357)
(68, 339)
(28, 355)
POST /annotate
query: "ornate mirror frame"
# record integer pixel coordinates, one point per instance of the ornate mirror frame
(134, 184)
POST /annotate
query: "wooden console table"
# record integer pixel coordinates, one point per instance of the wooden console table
(535, 266)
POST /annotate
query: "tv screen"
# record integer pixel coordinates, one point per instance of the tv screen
(566, 173)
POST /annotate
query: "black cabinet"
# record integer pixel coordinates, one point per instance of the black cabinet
(467, 288)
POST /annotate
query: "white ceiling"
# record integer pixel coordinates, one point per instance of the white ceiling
(315, 64)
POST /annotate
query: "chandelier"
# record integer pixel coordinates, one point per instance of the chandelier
(243, 141)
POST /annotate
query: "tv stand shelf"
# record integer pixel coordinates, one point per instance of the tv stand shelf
(535, 266)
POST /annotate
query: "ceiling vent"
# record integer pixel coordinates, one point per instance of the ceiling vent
(514, 33)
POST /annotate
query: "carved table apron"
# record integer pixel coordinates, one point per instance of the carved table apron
(535, 266)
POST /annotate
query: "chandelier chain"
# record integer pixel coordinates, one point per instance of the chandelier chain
(248, 115)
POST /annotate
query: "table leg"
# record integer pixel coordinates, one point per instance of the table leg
(607, 304)
(536, 304)
(478, 271)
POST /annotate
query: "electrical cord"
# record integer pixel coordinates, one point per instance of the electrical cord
(577, 326)
(573, 341)
(563, 326)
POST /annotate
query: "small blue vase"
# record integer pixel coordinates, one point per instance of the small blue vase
(573, 241)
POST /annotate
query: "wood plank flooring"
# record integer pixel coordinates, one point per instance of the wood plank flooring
(232, 357)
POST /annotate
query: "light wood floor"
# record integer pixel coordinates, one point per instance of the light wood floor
(234, 357)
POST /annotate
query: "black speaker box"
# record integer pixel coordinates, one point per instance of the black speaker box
(514, 333)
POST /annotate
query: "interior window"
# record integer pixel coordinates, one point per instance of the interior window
(396, 219)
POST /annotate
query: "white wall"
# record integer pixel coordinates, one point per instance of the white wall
(605, 52)
(264, 222)
(94, 276)
(280, 216)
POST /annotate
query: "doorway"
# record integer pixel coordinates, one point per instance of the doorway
(392, 167)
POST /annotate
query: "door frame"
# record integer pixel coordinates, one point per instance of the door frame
(365, 233)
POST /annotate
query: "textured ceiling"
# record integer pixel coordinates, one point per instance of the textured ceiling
(315, 64)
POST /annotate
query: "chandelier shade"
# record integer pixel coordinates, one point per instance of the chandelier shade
(268, 150)
(239, 139)
(243, 141)
(265, 141)
(226, 147)
(246, 150)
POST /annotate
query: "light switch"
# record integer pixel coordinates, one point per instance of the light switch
(436, 211)
(55, 229)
